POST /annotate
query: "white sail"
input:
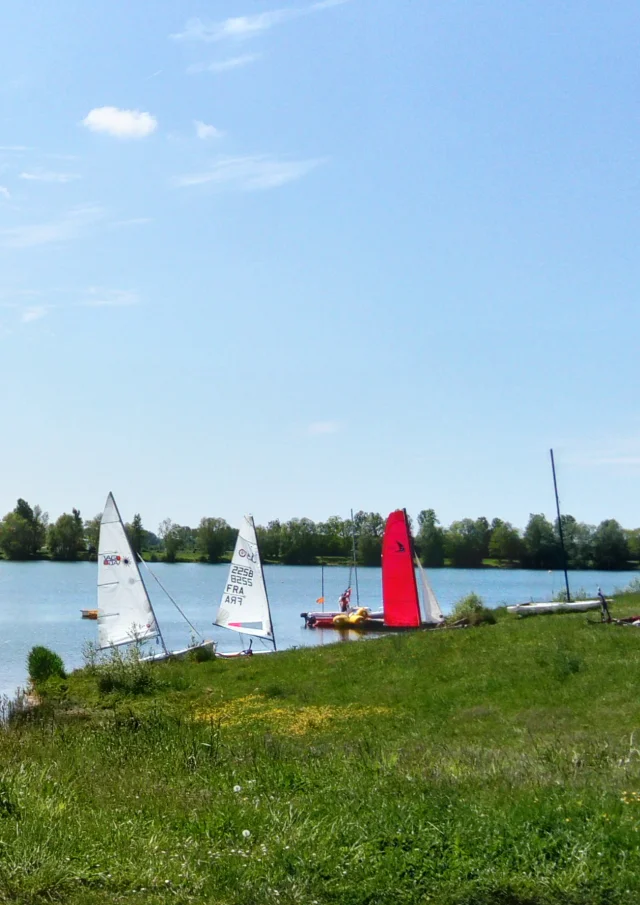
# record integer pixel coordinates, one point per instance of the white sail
(125, 613)
(429, 606)
(244, 606)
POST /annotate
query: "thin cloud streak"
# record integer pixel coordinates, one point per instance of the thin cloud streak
(323, 427)
(247, 174)
(224, 65)
(34, 314)
(45, 176)
(5, 193)
(242, 27)
(72, 225)
(110, 298)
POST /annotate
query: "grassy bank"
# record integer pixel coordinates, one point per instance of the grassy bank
(472, 767)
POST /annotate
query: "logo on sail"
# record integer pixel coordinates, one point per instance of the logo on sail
(401, 548)
(112, 559)
(252, 557)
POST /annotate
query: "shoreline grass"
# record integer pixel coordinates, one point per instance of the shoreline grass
(498, 765)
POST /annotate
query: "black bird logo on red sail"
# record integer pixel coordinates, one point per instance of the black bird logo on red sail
(401, 548)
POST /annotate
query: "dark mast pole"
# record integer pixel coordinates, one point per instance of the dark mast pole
(564, 552)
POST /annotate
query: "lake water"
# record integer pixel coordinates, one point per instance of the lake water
(40, 602)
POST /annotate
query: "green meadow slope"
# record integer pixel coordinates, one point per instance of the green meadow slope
(467, 767)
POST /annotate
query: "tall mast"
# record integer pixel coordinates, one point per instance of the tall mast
(564, 552)
(322, 582)
(264, 583)
(355, 560)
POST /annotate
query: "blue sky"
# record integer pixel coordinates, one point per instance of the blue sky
(294, 259)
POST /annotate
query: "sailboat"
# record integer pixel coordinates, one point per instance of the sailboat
(244, 606)
(125, 611)
(403, 607)
(557, 606)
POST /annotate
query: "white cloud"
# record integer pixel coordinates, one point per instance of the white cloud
(110, 298)
(225, 65)
(46, 176)
(71, 226)
(132, 221)
(205, 131)
(323, 427)
(5, 193)
(33, 314)
(241, 27)
(248, 174)
(120, 123)
(17, 148)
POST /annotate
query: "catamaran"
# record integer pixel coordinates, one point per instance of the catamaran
(402, 606)
(125, 611)
(557, 606)
(244, 606)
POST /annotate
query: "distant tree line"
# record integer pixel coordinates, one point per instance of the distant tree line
(25, 533)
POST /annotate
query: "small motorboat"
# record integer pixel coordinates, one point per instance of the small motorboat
(89, 614)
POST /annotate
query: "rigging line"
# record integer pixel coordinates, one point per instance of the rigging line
(188, 621)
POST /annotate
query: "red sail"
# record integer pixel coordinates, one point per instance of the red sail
(399, 591)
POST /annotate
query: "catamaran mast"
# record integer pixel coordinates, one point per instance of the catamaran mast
(564, 552)
(355, 559)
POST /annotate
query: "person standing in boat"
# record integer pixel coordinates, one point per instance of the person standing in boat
(606, 615)
(344, 600)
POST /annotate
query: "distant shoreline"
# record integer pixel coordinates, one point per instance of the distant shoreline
(334, 562)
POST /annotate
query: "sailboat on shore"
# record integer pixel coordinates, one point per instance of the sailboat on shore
(403, 607)
(244, 606)
(125, 611)
(557, 606)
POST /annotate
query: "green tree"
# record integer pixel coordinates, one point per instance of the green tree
(171, 539)
(505, 543)
(633, 541)
(23, 531)
(299, 542)
(92, 533)
(369, 550)
(610, 546)
(464, 544)
(541, 544)
(269, 539)
(136, 534)
(430, 542)
(578, 542)
(65, 538)
(214, 538)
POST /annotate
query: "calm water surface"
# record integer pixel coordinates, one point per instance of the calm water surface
(40, 602)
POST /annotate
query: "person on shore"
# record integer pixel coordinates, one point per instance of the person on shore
(606, 615)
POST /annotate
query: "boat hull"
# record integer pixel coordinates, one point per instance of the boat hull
(234, 655)
(574, 606)
(375, 623)
(178, 654)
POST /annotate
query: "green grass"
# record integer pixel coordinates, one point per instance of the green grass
(486, 766)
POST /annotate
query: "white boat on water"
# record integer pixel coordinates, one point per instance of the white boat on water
(573, 606)
(244, 606)
(125, 612)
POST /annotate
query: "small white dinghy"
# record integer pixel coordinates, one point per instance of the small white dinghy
(125, 612)
(244, 606)
(573, 606)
